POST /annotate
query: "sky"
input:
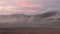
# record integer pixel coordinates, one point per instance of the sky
(28, 7)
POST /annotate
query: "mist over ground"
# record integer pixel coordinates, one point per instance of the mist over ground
(48, 20)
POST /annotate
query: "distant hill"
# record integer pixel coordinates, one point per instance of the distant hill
(21, 20)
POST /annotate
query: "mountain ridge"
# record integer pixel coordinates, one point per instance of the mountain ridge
(21, 20)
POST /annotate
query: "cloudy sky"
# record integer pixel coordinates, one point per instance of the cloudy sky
(28, 7)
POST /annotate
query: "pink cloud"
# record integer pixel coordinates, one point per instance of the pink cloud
(27, 4)
(31, 5)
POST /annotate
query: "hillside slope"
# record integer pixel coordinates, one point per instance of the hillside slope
(48, 19)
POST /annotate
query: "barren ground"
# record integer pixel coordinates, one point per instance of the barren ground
(29, 30)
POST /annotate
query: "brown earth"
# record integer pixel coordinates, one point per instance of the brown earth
(29, 30)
